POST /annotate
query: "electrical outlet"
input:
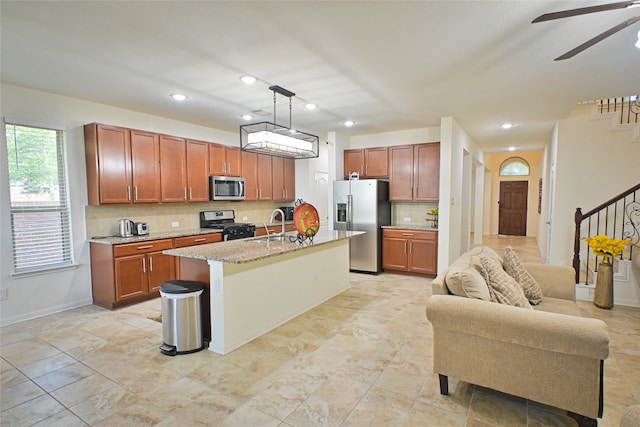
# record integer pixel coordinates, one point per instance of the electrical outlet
(175, 224)
(4, 294)
(407, 219)
(245, 218)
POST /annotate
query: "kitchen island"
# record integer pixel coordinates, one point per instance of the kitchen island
(255, 285)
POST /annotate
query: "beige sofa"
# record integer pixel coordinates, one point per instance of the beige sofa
(549, 354)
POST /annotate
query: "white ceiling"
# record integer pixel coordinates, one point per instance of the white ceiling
(387, 65)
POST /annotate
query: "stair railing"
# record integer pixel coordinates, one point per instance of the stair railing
(618, 218)
(627, 108)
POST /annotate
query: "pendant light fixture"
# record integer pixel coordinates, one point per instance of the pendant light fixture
(276, 140)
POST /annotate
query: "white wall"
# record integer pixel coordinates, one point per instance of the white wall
(404, 137)
(592, 164)
(37, 295)
(454, 143)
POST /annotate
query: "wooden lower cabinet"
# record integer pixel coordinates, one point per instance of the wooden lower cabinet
(129, 273)
(410, 251)
(133, 272)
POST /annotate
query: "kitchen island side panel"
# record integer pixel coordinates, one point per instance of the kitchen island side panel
(198, 271)
(250, 299)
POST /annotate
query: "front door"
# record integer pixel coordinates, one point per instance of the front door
(512, 218)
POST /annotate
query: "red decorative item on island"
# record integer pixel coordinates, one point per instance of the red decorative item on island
(306, 219)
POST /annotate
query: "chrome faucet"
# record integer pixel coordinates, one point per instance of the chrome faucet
(273, 216)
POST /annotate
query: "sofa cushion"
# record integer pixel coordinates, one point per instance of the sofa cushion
(463, 277)
(560, 306)
(504, 287)
(514, 267)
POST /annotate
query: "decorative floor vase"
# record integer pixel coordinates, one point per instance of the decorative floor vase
(604, 285)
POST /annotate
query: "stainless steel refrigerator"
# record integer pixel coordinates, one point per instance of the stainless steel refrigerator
(363, 205)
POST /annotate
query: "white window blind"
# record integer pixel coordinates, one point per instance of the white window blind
(40, 220)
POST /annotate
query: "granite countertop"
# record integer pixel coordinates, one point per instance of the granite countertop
(248, 250)
(418, 227)
(117, 240)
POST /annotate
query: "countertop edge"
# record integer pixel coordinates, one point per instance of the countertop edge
(415, 227)
(160, 235)
(245, 251)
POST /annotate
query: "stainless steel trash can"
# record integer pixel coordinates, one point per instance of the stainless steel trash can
(181, 317)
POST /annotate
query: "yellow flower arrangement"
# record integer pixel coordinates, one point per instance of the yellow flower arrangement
(605, 246)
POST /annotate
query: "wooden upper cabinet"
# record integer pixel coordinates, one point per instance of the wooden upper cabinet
(250, 174)
(277, 181)
(145, 166)
(265, 188)
(376, 162)
(224, 161)
(427, 172)
(108, 156)
(197, 167)
(414, 173)
(289, 179)
(234, 161)
(368, 162)
(401, 173)
(353, 162)
(217, 160)
(173, 174)
(283, 174)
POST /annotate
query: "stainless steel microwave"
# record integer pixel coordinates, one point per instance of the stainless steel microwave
(226, 188)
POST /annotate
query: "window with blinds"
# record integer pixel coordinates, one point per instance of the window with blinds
(40, 219)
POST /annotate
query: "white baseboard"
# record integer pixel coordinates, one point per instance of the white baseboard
(49, 310)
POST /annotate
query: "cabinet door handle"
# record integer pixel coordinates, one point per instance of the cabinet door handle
(366, 169)
(128, 192)
(136, 192)
(405, 247)
(202, 239)
(144, 265)
(150, 263)
(224, 167)
(410, 247)
(408, 234)
(185, 193)
(190, 193)
(144, 247)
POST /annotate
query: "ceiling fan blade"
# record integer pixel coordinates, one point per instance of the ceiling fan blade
(598, 38)
(584, 10)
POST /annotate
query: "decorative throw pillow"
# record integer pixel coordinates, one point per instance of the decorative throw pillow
(505, 287)
(514, 267)
(464, 279)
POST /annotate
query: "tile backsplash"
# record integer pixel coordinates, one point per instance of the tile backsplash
(103, 220)
(409, 213)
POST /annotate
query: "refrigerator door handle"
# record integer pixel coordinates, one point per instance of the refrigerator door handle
(349, 212)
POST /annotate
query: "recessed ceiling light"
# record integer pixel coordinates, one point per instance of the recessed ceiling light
(511, 148)
(507, 126)
(349, 123)
(310, 106)
(246, 117)
(178, 96)
(248, 80)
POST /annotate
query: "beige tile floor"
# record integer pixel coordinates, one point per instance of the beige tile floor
(361, 359)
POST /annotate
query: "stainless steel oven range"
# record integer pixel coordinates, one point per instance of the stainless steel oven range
(225, 220)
